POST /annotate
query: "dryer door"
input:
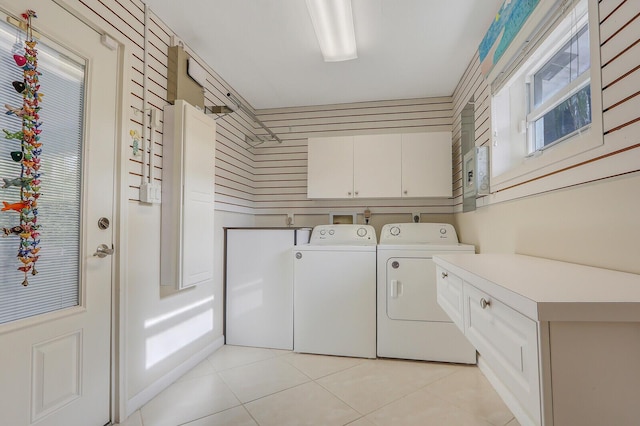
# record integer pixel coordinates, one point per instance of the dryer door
(411, 290)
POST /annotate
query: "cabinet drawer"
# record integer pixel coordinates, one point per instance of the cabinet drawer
(508, 341)
(449, 295)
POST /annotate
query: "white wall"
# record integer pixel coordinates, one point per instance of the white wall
(594, 224)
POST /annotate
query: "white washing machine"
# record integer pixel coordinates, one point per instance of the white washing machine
(334, 292)
(411, 324)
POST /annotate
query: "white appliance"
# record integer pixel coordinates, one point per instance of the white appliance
(259, 286)
(335, 292)
(411, 324)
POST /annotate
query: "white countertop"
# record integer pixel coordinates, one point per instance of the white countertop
(549, 290)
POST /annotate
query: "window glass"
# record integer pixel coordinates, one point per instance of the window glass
(564, 120)
(56, 286)
(554, 93)
(569, 62)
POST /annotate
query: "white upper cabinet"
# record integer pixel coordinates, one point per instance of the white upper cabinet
(330, 167)
(426, 165)
(408, 165)
(376, 166)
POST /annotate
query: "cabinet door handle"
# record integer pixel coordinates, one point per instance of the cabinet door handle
(405, 192)
(445, 275)
(349, 193)
(484, 303)
(356, 192)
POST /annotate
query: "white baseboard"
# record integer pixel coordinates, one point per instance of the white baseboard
(162, 383)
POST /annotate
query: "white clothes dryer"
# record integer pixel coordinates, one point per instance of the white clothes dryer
(334, 292)
(411, 324)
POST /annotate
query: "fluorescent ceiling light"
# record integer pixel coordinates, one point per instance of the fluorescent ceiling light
(333, 23)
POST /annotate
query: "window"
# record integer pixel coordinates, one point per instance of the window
(63, 84)
(561, 94)
(545, 105)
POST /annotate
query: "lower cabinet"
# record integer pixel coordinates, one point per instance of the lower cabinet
(449, 296)
(563, 355)
(508, 341)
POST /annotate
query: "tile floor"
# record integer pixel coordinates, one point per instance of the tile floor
(255, 386)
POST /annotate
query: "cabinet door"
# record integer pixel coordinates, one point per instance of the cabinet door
(330, 167)
(508, 342)
(449, 295)
(376, 170)
(426, 164)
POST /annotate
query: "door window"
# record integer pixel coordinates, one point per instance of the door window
(57, 284)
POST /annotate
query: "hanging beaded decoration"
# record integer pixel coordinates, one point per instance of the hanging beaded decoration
(28, 156)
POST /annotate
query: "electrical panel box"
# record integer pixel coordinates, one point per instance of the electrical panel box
(186, 252)
(475, 172)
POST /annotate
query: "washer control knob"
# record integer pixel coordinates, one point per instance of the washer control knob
(395, 230)
(443, 231)
(298, 255)
(395, 264)
(361, 232)
(331, 232)
(322, 232)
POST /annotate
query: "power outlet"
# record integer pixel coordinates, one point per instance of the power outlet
(289, 219)
(150, 193)
(415, 217)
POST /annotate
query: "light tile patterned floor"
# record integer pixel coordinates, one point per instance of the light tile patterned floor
(253, 386)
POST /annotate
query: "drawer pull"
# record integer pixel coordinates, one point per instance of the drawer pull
(484, 303)
(445, 275)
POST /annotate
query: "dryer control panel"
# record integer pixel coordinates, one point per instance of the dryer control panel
(418, 233)
(343, 235)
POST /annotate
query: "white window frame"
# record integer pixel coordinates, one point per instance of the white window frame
(516, 165)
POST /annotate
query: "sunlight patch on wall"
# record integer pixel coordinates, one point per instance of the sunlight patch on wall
(157, 320)
(167, 342)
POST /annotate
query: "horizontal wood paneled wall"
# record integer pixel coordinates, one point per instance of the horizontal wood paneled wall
(620, 62)
(271, 178)
(235, 181)
(281, 170)
(620, 56)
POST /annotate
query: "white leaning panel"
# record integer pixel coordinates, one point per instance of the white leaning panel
(187, 196)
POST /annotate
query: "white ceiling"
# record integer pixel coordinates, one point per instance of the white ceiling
(266, 50)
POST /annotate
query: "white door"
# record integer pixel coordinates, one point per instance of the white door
(55, 363)
(411, 290)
